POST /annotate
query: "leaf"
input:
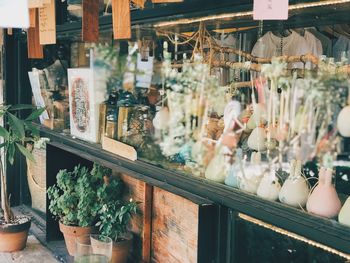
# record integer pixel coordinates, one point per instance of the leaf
(17, 126)
(35, 114)
(21, 107)
(34, 130)
(11, 153)
(4, 133)
(25, 152)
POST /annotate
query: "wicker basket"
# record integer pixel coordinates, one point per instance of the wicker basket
(37, 179)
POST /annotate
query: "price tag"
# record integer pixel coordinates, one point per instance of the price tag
(47, 24)
(270, 10)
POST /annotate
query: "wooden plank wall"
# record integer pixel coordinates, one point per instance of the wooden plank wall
(166, 228)
(140, 225)
(174, 228)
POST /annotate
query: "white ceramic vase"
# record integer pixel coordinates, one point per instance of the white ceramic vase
(343, 122)
(269, 186)
(295, 190)
(344, 214)
(257, 139)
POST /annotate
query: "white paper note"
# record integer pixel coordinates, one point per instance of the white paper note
(38, 98)
(270, 9)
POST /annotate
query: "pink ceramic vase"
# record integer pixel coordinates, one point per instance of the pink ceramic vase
(324, 200)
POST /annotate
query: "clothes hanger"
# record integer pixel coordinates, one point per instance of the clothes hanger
(346, 28)
(300, 31)
(341, 30)
(329, 30)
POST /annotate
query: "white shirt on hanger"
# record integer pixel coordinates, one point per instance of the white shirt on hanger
(269, 46)
(314, 43)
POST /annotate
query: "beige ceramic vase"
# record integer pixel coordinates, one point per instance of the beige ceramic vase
(295, 190)
(344, 214)
(324, 200)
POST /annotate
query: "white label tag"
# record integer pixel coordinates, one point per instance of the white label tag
(270, 10)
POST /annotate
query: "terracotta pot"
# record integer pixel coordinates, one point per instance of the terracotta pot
(14, 237)
(121, 250)
(71, 233)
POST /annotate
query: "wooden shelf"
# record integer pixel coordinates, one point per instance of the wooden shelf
(322, 230)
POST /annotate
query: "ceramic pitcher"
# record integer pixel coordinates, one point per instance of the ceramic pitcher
(269, 186)
(295, 189)
(216, 170)
(324, 200)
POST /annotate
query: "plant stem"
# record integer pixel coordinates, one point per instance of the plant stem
(5, 204)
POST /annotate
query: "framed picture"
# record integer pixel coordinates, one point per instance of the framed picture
(83, 104)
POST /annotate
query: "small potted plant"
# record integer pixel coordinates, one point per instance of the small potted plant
(115, 215)
(15, 135)
(73, 201)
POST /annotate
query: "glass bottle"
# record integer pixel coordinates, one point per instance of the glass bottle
(112, 116)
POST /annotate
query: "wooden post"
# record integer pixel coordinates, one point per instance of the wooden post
(147, 224)
(35, 50)
(121, 19)
(90, 22)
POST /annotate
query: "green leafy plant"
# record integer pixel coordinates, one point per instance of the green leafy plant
(83, 198)
(114, 213)
(15, 134)
(73, 199)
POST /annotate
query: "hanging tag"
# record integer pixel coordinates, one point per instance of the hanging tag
(270, 10)
(144, 72)
(35, 3)
(32, 17)
(121, 19)
(47, 24)
(35, 50)
(166, 1)
(90, 20)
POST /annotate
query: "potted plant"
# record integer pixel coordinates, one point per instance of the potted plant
(115, 215)
(73, 201)
(15, 134)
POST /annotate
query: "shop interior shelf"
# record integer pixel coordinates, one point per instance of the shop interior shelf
(322, 230)
(144, 19)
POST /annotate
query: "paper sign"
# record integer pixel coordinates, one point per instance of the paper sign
(47, 24)
(14, 14)
(270, 10)
(38, 98)
(144, 72)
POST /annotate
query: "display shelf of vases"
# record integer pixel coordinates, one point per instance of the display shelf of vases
(323, 230)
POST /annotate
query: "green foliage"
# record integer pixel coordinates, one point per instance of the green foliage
(73, 200)
(17, 132)
(82, 198)
(115, 217)
(109, 58)
(114, 213)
